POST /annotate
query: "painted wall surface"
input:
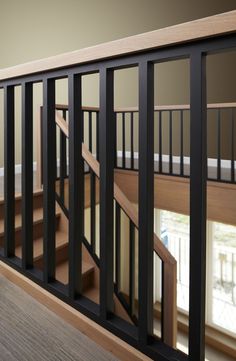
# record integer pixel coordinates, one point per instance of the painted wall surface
(31, 29)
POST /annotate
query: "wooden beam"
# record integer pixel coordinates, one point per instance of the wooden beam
(156, 107)
(172, 194)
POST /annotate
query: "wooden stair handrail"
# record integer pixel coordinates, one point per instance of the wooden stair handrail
(119, 196)
(208, 27)
(156, 107)
(170, 264)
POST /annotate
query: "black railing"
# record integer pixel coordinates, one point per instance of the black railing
(126, 298)
(170, 157)
(91, 200)
(140, 335)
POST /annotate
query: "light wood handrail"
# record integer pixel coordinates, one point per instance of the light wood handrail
(208, 27)
(60, 121)
(170, 264)
(157, 107)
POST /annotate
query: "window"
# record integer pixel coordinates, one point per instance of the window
(223, 277)
(175, 235)
(173, 229)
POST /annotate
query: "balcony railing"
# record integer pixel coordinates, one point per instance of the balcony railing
(194, 41)
(173, 157)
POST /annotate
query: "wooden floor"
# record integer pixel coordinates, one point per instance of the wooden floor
(31, 332)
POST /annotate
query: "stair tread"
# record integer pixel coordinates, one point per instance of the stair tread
(61, 240)
(18, 196)
(37, 217)
(62, 270)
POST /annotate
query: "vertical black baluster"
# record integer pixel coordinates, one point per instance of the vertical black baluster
(27, 175)
(170, 143)
(232, 148)
(97, 134)
(92, 189)
(163, 296)
(160, 142)
(49, 178)
(83, 113)
(41, 143)
(83, 135)
(90, 132)
(123, 141)
(76, 186)
(115, 141)
(218, 144)
(198, 176)
(63, 161)
(132, 266)
(146, 195)
(181, 142)
(65, 170)
(9, 172)
(117, 230)
(67, 148)
(92, 210)
(106, 135)
(132, 140)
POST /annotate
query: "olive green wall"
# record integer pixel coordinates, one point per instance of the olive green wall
(31, 29)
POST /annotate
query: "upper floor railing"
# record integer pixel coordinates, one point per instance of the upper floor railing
(194, 41)
(171, 139)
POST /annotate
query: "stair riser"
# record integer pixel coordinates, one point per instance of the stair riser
(37, 203)
(61, 256)
(37, 232)
(87, 278)
(88, 281)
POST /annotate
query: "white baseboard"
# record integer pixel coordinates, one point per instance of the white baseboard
(18, 168)
(212, 162)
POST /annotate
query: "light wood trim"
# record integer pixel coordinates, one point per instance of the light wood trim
(60, 121)
(98, 334)
(157, 107)
(208, 27)
(170, 304)
(172, 194)
(85, 108)
(177, 107)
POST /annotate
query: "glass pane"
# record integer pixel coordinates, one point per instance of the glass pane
(175, 236)
(224, 277)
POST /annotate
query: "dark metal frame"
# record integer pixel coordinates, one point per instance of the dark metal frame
(141, 336)
(130, 164)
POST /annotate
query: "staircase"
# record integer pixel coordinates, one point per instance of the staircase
(125, 306)
(90, 271)
(61, 239)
